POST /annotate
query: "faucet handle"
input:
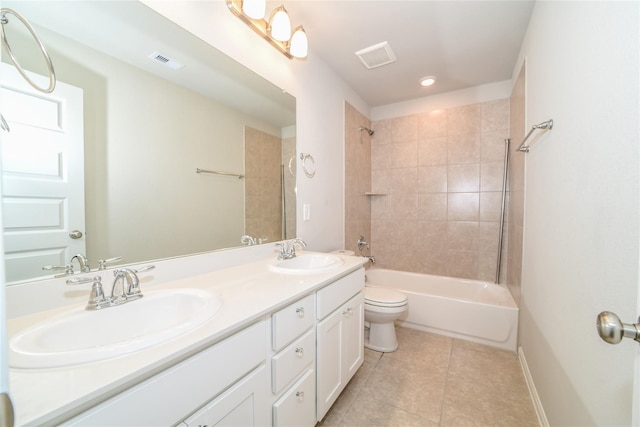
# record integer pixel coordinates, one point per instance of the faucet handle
(133, 282)
(97, 300)
(102, 263)
(143, 269)
(68, 269)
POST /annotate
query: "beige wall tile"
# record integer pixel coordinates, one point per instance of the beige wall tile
(494, 115)
(463, 178)
(432, 179)
(432, 124)
(440, 171)
(491, 176)
(463, 148)
(404, 129)
(463, 120)
(462, 235)
(432, 206)
(492, 145)
(463, 206)
(432, 151)
(462, 264)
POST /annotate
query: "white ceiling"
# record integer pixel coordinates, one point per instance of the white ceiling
(463, 43)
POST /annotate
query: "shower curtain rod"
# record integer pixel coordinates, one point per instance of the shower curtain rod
(544, 125)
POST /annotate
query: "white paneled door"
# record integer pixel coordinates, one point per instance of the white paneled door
(42, 175)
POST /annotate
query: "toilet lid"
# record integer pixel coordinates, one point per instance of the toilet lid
(384, 297)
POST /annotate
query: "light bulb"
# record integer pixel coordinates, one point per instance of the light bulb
(299, 45)
(280, 25)
(254, 8)
(427, 81)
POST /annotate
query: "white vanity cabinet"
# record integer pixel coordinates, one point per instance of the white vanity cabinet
(223, 382)
(292, 366)
(340, 338)
(286, 369)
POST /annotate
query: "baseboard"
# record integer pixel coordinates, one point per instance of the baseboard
(537, 404)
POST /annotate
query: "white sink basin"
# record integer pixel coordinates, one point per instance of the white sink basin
(79, 336)
(307, 264)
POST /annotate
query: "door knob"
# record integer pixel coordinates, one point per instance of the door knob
(75, 234)
(612, 330)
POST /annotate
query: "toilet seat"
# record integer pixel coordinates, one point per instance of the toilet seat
(383, 297)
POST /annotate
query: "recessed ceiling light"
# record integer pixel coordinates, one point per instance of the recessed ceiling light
(427, 81)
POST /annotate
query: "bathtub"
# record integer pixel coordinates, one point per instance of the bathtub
(466, 309)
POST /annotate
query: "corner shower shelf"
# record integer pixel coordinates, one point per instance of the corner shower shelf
(370, 193)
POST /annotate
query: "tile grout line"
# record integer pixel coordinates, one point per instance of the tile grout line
(446, 382)
(359, 390)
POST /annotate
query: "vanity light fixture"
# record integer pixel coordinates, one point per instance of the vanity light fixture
(427, 81)
(276, 31)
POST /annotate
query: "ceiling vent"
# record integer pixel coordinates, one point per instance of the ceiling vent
(165, 60)
(377, 55)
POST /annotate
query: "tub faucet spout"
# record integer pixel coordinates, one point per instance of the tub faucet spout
(371, 258)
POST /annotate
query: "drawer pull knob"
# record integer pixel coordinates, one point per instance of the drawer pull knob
(300, 311)
(347, 312)
(300, 351)
(300, 395)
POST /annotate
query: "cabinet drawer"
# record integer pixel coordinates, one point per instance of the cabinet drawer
(166, 398)
(291, 361)
(297, 406)
(290, 322)
(334, 295)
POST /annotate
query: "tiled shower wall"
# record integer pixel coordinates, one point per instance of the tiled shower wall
(439, 175)
(357, 178)
(265, 155)
(516, 188)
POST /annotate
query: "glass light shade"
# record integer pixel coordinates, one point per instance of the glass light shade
(254, 8)
(427, 81)
(299, 45)
(280, 25)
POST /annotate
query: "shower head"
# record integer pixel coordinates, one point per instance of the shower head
(369, 131)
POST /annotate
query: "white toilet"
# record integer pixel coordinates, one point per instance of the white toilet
(382, 306)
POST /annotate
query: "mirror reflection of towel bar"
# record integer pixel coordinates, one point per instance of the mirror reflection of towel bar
(198, 170)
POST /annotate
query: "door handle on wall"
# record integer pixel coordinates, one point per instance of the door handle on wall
(612, 330)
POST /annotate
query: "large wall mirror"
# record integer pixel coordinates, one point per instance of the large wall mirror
(141, 104)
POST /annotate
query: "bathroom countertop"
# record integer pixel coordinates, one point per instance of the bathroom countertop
(248, 292)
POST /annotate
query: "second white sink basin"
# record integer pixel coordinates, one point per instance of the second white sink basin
(79, 336)
(307, 264)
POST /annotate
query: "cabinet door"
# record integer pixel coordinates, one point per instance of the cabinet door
(242, 405)
(353, 336)
(329, 362)
(296, 407)
(340, 351)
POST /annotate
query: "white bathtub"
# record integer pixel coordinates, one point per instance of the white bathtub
(466, 309)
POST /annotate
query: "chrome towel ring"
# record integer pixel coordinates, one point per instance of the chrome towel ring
(308, 164)
(52, 75)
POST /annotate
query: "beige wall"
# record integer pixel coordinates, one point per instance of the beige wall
(144, 138)
(581, 232)
(440, 173)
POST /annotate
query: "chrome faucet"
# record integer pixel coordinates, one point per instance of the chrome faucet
(248, 240)
(288, 248)
(97, 300)
(125, 288)
(83, 262)
(126, 285)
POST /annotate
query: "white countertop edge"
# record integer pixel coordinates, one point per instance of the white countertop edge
(45, 396)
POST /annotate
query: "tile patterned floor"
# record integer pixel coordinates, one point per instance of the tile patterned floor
(432, 381)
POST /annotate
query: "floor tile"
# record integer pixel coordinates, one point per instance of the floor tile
(433, 380)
